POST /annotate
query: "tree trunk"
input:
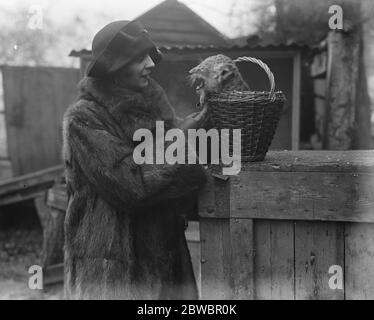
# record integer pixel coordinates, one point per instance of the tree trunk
(342, 79)
(348, 103)
(348, 110)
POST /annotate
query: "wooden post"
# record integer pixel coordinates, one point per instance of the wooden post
(54, 243)
(226, 246)
(53, 230)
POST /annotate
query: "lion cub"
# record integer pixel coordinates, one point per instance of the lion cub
(216, 74)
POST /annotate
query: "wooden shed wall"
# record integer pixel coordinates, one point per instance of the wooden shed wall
(5, 164)
(35, 99)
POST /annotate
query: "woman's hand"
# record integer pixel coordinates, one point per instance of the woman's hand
(196, 120)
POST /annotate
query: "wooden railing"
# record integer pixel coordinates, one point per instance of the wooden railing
(278, 228)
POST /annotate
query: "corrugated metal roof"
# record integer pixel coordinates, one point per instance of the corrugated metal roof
(201, 48)
(232, 47)
(255, 40)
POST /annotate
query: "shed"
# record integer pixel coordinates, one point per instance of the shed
(173, 23)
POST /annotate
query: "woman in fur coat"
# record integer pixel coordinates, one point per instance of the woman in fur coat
(124, 236)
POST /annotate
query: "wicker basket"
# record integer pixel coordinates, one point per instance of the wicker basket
(256, 113)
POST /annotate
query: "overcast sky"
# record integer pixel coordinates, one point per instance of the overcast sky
(216, 12)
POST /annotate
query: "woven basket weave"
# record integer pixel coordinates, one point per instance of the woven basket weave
(256, 113)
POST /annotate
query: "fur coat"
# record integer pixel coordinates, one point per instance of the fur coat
(124, 236)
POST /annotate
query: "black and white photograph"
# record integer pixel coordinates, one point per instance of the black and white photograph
(206, 152)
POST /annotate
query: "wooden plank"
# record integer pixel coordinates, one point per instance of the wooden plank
(314, 161)
(206, 205)
(30, 180)
(214, 198)
(241, 249)
(193, 231)
(193, 241)
(303, 196)
(274, 260)
(215, 256)
(226, 259)
(53, 274)
(221, 198)
(28, 186)
(20, 197)
(318, 246)
(359, 261)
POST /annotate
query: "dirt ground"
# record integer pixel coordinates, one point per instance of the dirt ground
(20, 248)
(21, 239)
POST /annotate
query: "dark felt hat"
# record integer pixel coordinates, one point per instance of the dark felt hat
(117, 44)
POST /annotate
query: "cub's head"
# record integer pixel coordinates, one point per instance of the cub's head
(215, 74)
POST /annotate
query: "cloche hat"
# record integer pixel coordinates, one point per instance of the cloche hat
(117, 44)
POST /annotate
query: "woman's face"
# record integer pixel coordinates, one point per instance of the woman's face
(136, 75)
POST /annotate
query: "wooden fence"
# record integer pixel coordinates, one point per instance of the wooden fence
(274, 231)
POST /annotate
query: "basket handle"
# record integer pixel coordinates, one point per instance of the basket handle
(266, 69)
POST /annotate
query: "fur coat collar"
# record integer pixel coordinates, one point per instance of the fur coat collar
(141, 108)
